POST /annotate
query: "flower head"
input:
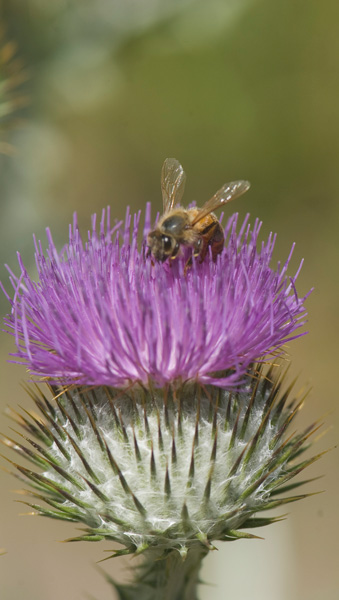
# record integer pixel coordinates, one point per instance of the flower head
(168, 437)
(103, 313)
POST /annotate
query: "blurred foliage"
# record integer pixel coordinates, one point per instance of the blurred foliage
(234, 89)
(12, 75)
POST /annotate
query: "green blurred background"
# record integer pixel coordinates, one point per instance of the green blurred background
(233, 89)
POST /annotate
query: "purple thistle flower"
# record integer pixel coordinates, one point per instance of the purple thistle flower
(102, 313)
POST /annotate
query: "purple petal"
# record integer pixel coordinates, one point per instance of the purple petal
(102, 313)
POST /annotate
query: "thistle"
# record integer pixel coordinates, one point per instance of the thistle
(161, 427)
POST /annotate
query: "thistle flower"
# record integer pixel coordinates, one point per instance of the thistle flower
(157, 430)
(104, 314)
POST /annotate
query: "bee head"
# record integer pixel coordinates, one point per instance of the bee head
(161, 245)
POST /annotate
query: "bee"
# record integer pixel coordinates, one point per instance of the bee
(196, 228)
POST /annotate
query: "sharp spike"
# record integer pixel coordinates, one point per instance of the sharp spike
(113, 519)
(86, 538)
(282, 402)
(23, 451)
(215, 414)
(66, 475)
(54, 514)
(254, 444)
(70, 398)
(185, 518)
(253, 522)
(160, 438)
(167, 486)
(174, 452)
(136, 448)
(237, 463)
(152, 465)
(61, 447)
(70, 511)
(111, 403)
(254, 486)
(196, 433)
(93, 425)
(203, 538)
(234, 431)
(283, 489)
(250, 406)
(235, 534)
(49, 419)
(192, 468)
(48, 405)
(113, 463)
(91, 401)
(123, 428)
(37, 428)
(69, 419)
(166, 416)
(268, 380)
(115, 554)
(183, 551)
(214, 449)
(51, 486)
(281, 501)
(179, 420)
(139, 506)
(96, 491)
(147, 429)
(294, 471)
(83, 459)
(208, 487)
(228, 412)
(286, 423)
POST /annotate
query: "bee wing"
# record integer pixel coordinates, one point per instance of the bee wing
(228, 192)
(173, 180)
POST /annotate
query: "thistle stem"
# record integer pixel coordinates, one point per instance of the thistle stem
(170, 578)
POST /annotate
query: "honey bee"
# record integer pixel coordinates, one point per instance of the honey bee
(196, 228)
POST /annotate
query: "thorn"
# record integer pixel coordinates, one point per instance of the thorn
(160, 439)
(214, 449)
(207, 491)
(238, 535)
(185, 516)
(167, 486)
(174, 452)
(235, 429)
(192, 468)
(83, 459)
(29, 514)
(152, 465)
(136, 448)
(202, 537)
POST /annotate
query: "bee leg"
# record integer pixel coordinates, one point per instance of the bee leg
(196, 252)
(204, 248)
(148, 254)
(175, 251)
(212, 236)
(198, 245)
(217, 247)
